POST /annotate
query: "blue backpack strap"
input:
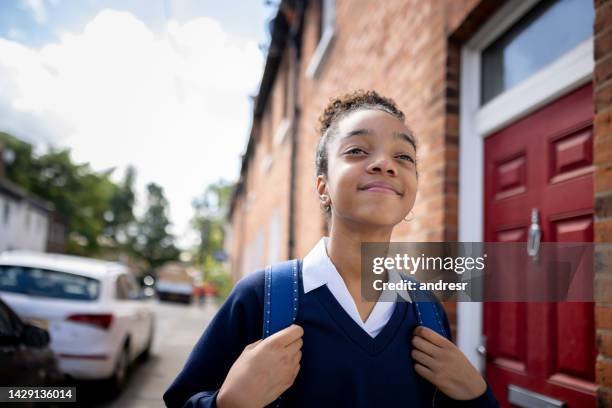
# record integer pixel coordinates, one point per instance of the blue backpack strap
(425, 308)
(280, 296)
(428, 316)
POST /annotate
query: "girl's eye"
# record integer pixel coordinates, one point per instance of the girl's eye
(355, 149)
(406, 157)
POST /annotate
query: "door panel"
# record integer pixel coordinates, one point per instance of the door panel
(543, 161)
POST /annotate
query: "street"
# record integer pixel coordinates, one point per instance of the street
(178, 328)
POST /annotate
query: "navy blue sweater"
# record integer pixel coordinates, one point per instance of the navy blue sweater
(341, 366)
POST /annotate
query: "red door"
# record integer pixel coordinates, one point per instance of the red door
(543, 161)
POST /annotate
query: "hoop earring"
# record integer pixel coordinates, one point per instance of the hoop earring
(409, 219)
(325, 204)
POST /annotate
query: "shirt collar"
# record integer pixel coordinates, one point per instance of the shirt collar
(318, 270)
(316, 266)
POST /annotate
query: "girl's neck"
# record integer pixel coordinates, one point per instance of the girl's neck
(344, 247)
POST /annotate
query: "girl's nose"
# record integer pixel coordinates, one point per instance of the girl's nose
(382, 164)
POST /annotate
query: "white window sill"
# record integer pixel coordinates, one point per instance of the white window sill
(282, 130)
(321, 52)
(267, 162)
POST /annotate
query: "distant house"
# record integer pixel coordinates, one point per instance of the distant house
(511, 104)
(28, 222)
(24, 220)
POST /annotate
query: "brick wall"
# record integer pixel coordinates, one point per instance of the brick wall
(266, 190)
(602, 85)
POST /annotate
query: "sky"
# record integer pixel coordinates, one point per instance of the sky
(163, 85)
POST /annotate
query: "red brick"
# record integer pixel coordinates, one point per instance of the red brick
(603, 206)
(603, 96)
(603, 231)
(602, 152)
(604, 342)
(603, 69)
(603, 368)
(603, 178)
(603, 17)
(603, 317)
(603, 126)
(603, 287)
(600, 2)
(603, 44)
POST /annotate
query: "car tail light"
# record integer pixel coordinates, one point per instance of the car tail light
(99, 320)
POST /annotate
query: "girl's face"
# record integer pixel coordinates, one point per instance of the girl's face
(370, 146)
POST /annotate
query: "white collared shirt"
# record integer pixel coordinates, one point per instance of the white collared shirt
(318, 270)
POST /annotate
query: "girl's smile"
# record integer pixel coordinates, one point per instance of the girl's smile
(381, 187)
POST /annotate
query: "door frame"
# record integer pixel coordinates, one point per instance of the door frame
(570, 71)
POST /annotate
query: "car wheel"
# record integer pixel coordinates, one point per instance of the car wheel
(119, 378)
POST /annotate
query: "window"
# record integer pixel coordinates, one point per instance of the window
(327, 34)
(47, 283)
(127, 288)
(266, 134)
(286, 86)
(282, 130)
(253, 254)
(549, 30)
(122, 287)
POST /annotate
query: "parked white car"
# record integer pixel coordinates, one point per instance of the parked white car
(94, 311)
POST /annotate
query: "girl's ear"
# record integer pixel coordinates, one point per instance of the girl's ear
(321, 185)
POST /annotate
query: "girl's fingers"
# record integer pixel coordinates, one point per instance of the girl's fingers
(286, 336)
(424, 372)
(425, 346)
(297, 357)
(423, 359)
(296, 344)
(431, 336)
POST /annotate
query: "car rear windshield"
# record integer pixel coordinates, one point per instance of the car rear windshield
(48, 283)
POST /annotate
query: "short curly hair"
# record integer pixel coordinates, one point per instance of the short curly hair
(340, 107)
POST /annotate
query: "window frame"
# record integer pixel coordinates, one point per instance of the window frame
(569, 71)
(326, 40)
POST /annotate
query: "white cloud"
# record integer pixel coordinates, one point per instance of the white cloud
(175, 106)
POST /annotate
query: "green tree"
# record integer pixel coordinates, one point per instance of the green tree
(94, 207)
(19, 169)
(79, 194)
(153, 242)
(120, 216)
(209, 221)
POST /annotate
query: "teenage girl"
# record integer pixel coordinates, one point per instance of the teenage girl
(342, 351)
